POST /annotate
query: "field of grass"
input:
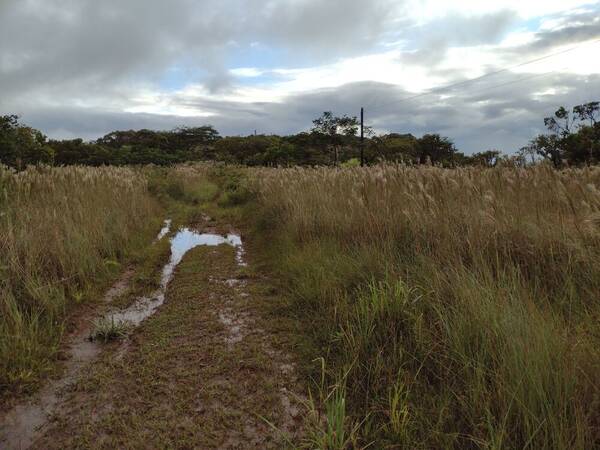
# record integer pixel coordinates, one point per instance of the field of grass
(64, 232)
(452, 308)
(433, 308)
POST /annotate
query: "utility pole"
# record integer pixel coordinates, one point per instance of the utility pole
(362, 137)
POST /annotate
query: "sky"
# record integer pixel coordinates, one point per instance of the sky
(83, 68)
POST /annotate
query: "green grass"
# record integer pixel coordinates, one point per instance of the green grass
(455, 308)
(107, 330)
(65, 234)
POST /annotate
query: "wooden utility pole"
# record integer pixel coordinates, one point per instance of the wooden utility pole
(362, 137)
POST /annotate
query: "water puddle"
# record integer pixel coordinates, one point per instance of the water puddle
(184, 241)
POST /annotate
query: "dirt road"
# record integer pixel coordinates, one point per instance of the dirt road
(208, 369)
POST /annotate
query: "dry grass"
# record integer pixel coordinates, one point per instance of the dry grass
(63, 231)
(459, 308)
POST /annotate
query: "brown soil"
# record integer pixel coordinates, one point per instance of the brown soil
(210, 369)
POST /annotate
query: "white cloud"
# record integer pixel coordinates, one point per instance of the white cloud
(246, 72)
(426, 10)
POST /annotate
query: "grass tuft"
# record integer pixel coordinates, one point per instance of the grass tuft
(107, 330)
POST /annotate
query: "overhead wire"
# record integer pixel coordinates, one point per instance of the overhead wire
(489, 74)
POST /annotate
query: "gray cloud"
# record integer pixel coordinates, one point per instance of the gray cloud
(434, 38)
(504, 117)
(570, 29)
(68, 45)
(329, 28)
(482, 117)
(57, 57)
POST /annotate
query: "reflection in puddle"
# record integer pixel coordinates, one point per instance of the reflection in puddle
(164, 230)
(181, 243)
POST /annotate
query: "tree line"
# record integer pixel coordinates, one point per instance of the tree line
(573, 138)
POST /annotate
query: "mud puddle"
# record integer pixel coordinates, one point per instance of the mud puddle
(23, 424)
(184, 241)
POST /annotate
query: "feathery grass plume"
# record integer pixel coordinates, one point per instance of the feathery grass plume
(58, 226)
(464, 302)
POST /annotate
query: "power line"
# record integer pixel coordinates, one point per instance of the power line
(489, 74)
(536, 75)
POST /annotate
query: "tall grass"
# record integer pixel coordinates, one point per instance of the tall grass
(62, 231)
(459, 308)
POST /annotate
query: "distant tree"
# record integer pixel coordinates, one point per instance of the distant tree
(549, 147)
(392, 147)
(516, 160)
(336, 130)
(588, 135)
(564, 141)
(436, 149)
(561, 123)
(552, 146)
(189, 138)
(583, 147)
(248, 150)
(459, 159)
(9, 150)
(528, 152)
(280, 152)
(587, 111)
(67, 152)
(572, 136)
(308, 148)
(489, 158)
(21, 145)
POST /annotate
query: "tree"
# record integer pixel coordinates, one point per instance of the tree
(549, 146)
(248, 150)
(335, 129)
(392, 147)
(309, 148)
(563, 142)
(21, 145)
(528, 151)
(552, 146)
(583, 147)
(587, 111)
(436, 149)
(279, 152)
(561, 123)
(8, 139)
(489, 158)
(188, 138)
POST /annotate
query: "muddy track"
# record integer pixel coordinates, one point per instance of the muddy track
(205, 368)
(25, 422)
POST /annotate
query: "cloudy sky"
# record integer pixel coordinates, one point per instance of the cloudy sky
(82, 68)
